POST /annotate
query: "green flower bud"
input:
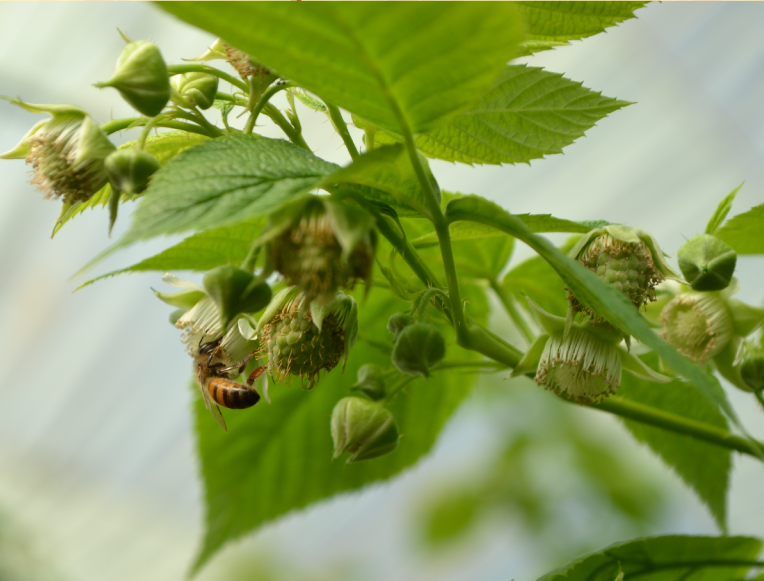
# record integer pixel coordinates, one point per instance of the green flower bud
(141, 78)
(303, 338)
(321, 245)
(583, 366)
(628, 259)
(398, 321)
(417, 348)
(199, 89)
(129, 170)
(235, 291)
(371, 381)
(698, 325)
(752, 370)
(66, 152)
(363, 428)
(707, 263)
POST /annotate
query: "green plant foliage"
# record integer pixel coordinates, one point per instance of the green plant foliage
(719, 215)
(670, 558)
(743, 232)
(587, 286)
(551, 24)
(200, 252)
(403, 67)
(164, 147)
(387, 169)
(527, 114)
(222, 182)
(277, 458)
(484, 257)
(705, 468)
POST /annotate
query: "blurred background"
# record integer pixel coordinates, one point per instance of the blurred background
(98, 477)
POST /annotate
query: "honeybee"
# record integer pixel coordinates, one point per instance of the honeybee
(218, 387)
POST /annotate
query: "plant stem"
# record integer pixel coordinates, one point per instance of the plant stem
(195, 68)
(759, 397)
(121, 124)
(198, 118)
(677, 424)
(509, 304)
(264, 99)
(339, 124)
(294, 136)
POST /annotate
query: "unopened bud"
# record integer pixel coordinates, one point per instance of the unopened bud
(698, 325)
(363, 428)
(752, 370)
(398, 321)
(417, 348)
(235, 291)
(141, 78)
(371, 381)
(199, 89)
(130, 169)
(707, 263)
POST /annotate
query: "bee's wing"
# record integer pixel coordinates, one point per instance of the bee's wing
(218, 415)
(210, 405)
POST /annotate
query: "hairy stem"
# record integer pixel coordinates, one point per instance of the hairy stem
(339, 124)
(264, 99)
(511, 307)
(294, 136)
(122, 124)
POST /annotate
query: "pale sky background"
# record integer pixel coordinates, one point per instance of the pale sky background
(96, 452)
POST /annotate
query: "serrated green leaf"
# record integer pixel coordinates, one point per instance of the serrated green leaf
(405, 66)
(704, 467)
(224, 181)
(527, 114)
(201, 252)
(744, 232)
(590, 289)
(669, 558)
(164, 147)
(389, 170)
(277, 458)
(721, 211)
(550, 23)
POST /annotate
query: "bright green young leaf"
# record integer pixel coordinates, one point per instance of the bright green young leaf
(200, 252)
(387, 169)
(704, 467)
(745, 232)
(670, 558)
(551, 24)
(527, 114)
(278, 458)
(590, 289)
(406, 66)
(721, 211)
(224, 181)
(164, 147)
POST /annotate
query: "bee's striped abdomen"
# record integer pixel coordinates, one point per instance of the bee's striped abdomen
(231, 394)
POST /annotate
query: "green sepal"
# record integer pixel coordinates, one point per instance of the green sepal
(552, 324)
(22, 149)
(129, 170)
(752, 370)
(235, 291)
(52, 109)
(363, 428)
(352, 226)
(745, 318)
(707, 263)
(345, 310)
(184, 299)
(141, 78)
(176, 315)
(727, 364)
(216, 51)
(399, 321)
(530, 361)
(417, 348)
(278, 302)
(637, 367)
(114, 198)
(370, 381)
(93, 142)
(197, 89)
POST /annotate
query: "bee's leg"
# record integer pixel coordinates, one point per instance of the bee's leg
(241, 365)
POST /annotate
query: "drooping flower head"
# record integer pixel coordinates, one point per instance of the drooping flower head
(66, 152)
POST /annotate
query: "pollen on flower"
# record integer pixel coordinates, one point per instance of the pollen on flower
(580, 367)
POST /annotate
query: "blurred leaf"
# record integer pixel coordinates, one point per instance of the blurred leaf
(744, 231)
(387, 169)
(450, 517)
(721, 211)
(164, 147)
(528, 113)
(200, 252)
(551, 24)
(277, 458)
(482, 258)
(405, 66)
(670, 558)
(704, 468)
(224, 181)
